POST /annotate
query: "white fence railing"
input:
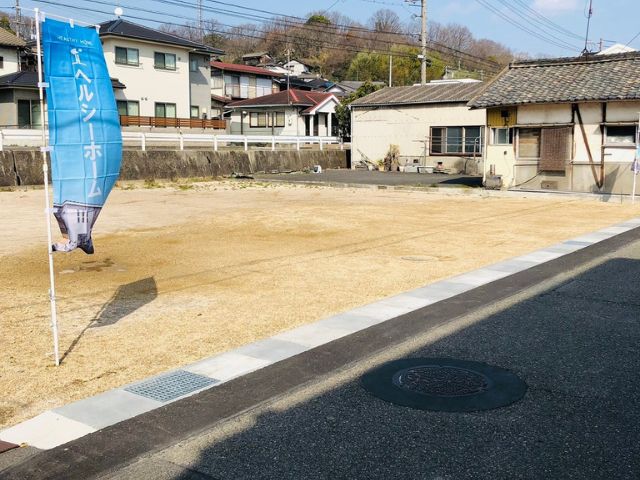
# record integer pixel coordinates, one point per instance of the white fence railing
(32, 138)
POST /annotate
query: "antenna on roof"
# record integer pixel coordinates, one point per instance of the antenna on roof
(586, 39)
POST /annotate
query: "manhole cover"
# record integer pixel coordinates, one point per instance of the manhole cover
(444, 384)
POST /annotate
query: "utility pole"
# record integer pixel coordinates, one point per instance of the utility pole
(390, 70)
(18, 19)
(586, 39)
(423, 39)
(200, 21)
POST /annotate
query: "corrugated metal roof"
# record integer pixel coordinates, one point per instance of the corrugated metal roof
(564, 80)
(421, 94)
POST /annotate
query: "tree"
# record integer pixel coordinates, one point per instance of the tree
(6, 23)
(343, 113)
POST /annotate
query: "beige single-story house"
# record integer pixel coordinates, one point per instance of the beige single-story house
(289, 112)
(431, 124)
(566, 124)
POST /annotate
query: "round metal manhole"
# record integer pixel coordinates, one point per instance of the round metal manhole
(444, 384)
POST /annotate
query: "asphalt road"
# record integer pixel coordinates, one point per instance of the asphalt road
(365, 177)
(569, 328)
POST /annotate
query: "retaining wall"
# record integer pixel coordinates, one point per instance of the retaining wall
(24, 167)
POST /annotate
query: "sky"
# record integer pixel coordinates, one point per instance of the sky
(555, 27)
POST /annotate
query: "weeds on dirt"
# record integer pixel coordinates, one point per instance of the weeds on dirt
(151, 183)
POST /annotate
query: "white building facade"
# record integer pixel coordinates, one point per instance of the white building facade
(431, 125)
(165, 76)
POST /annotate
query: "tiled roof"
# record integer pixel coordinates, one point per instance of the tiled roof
(9, 39)
(421, 94)
(286, 97)
(30, 80)
(234, 67)
(123, 28)
(564, 80)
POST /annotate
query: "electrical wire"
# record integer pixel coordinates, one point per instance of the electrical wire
(541, 36)
(555, 26)
(489, 66)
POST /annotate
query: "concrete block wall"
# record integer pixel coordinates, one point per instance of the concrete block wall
(24, 167)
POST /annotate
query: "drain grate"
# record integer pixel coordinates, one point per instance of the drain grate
(171, 386)
(443, 384)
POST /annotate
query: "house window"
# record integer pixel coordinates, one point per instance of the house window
(621, 134)
(216, 78)
(529, 143)
(166, 110)
(164, 61)
(502, 136)
(29, 114)
(127, 56)
(195, 111)
(456, 140)
(279, 117)
(1, 62)
(128, 107)
(258, 119)
(193, 65)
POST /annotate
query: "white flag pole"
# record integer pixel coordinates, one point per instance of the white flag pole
(636, 163)
(45, 170)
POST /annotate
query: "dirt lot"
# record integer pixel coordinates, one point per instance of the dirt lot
(182, 274)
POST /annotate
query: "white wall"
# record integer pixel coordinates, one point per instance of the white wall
(10, 60)
(524, 173)
(200, 84)
(374, 129)
(145, 83)
(294, 123)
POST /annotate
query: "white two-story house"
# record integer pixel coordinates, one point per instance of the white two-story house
(165, 76)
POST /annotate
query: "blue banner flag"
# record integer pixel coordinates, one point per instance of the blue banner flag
(84, 129)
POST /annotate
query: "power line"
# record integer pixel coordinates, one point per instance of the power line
(553, 25)
(302, 23)
(278, 35)
(553, 41)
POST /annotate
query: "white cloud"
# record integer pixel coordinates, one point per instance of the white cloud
(553, 6)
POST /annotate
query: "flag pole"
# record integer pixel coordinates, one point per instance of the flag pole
(45, 170)
(636, 163)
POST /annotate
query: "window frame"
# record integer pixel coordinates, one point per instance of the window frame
(610, 143)
(197, 115)
(443, 141)
(127, 104)
(163, 66)
(164, 105)
(519, 150)
(192, 62)
(126, 51)
(258, 116)
(1, 61)
(494, 135)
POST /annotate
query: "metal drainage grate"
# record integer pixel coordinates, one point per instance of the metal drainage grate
(444, 384)
(171, 386)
